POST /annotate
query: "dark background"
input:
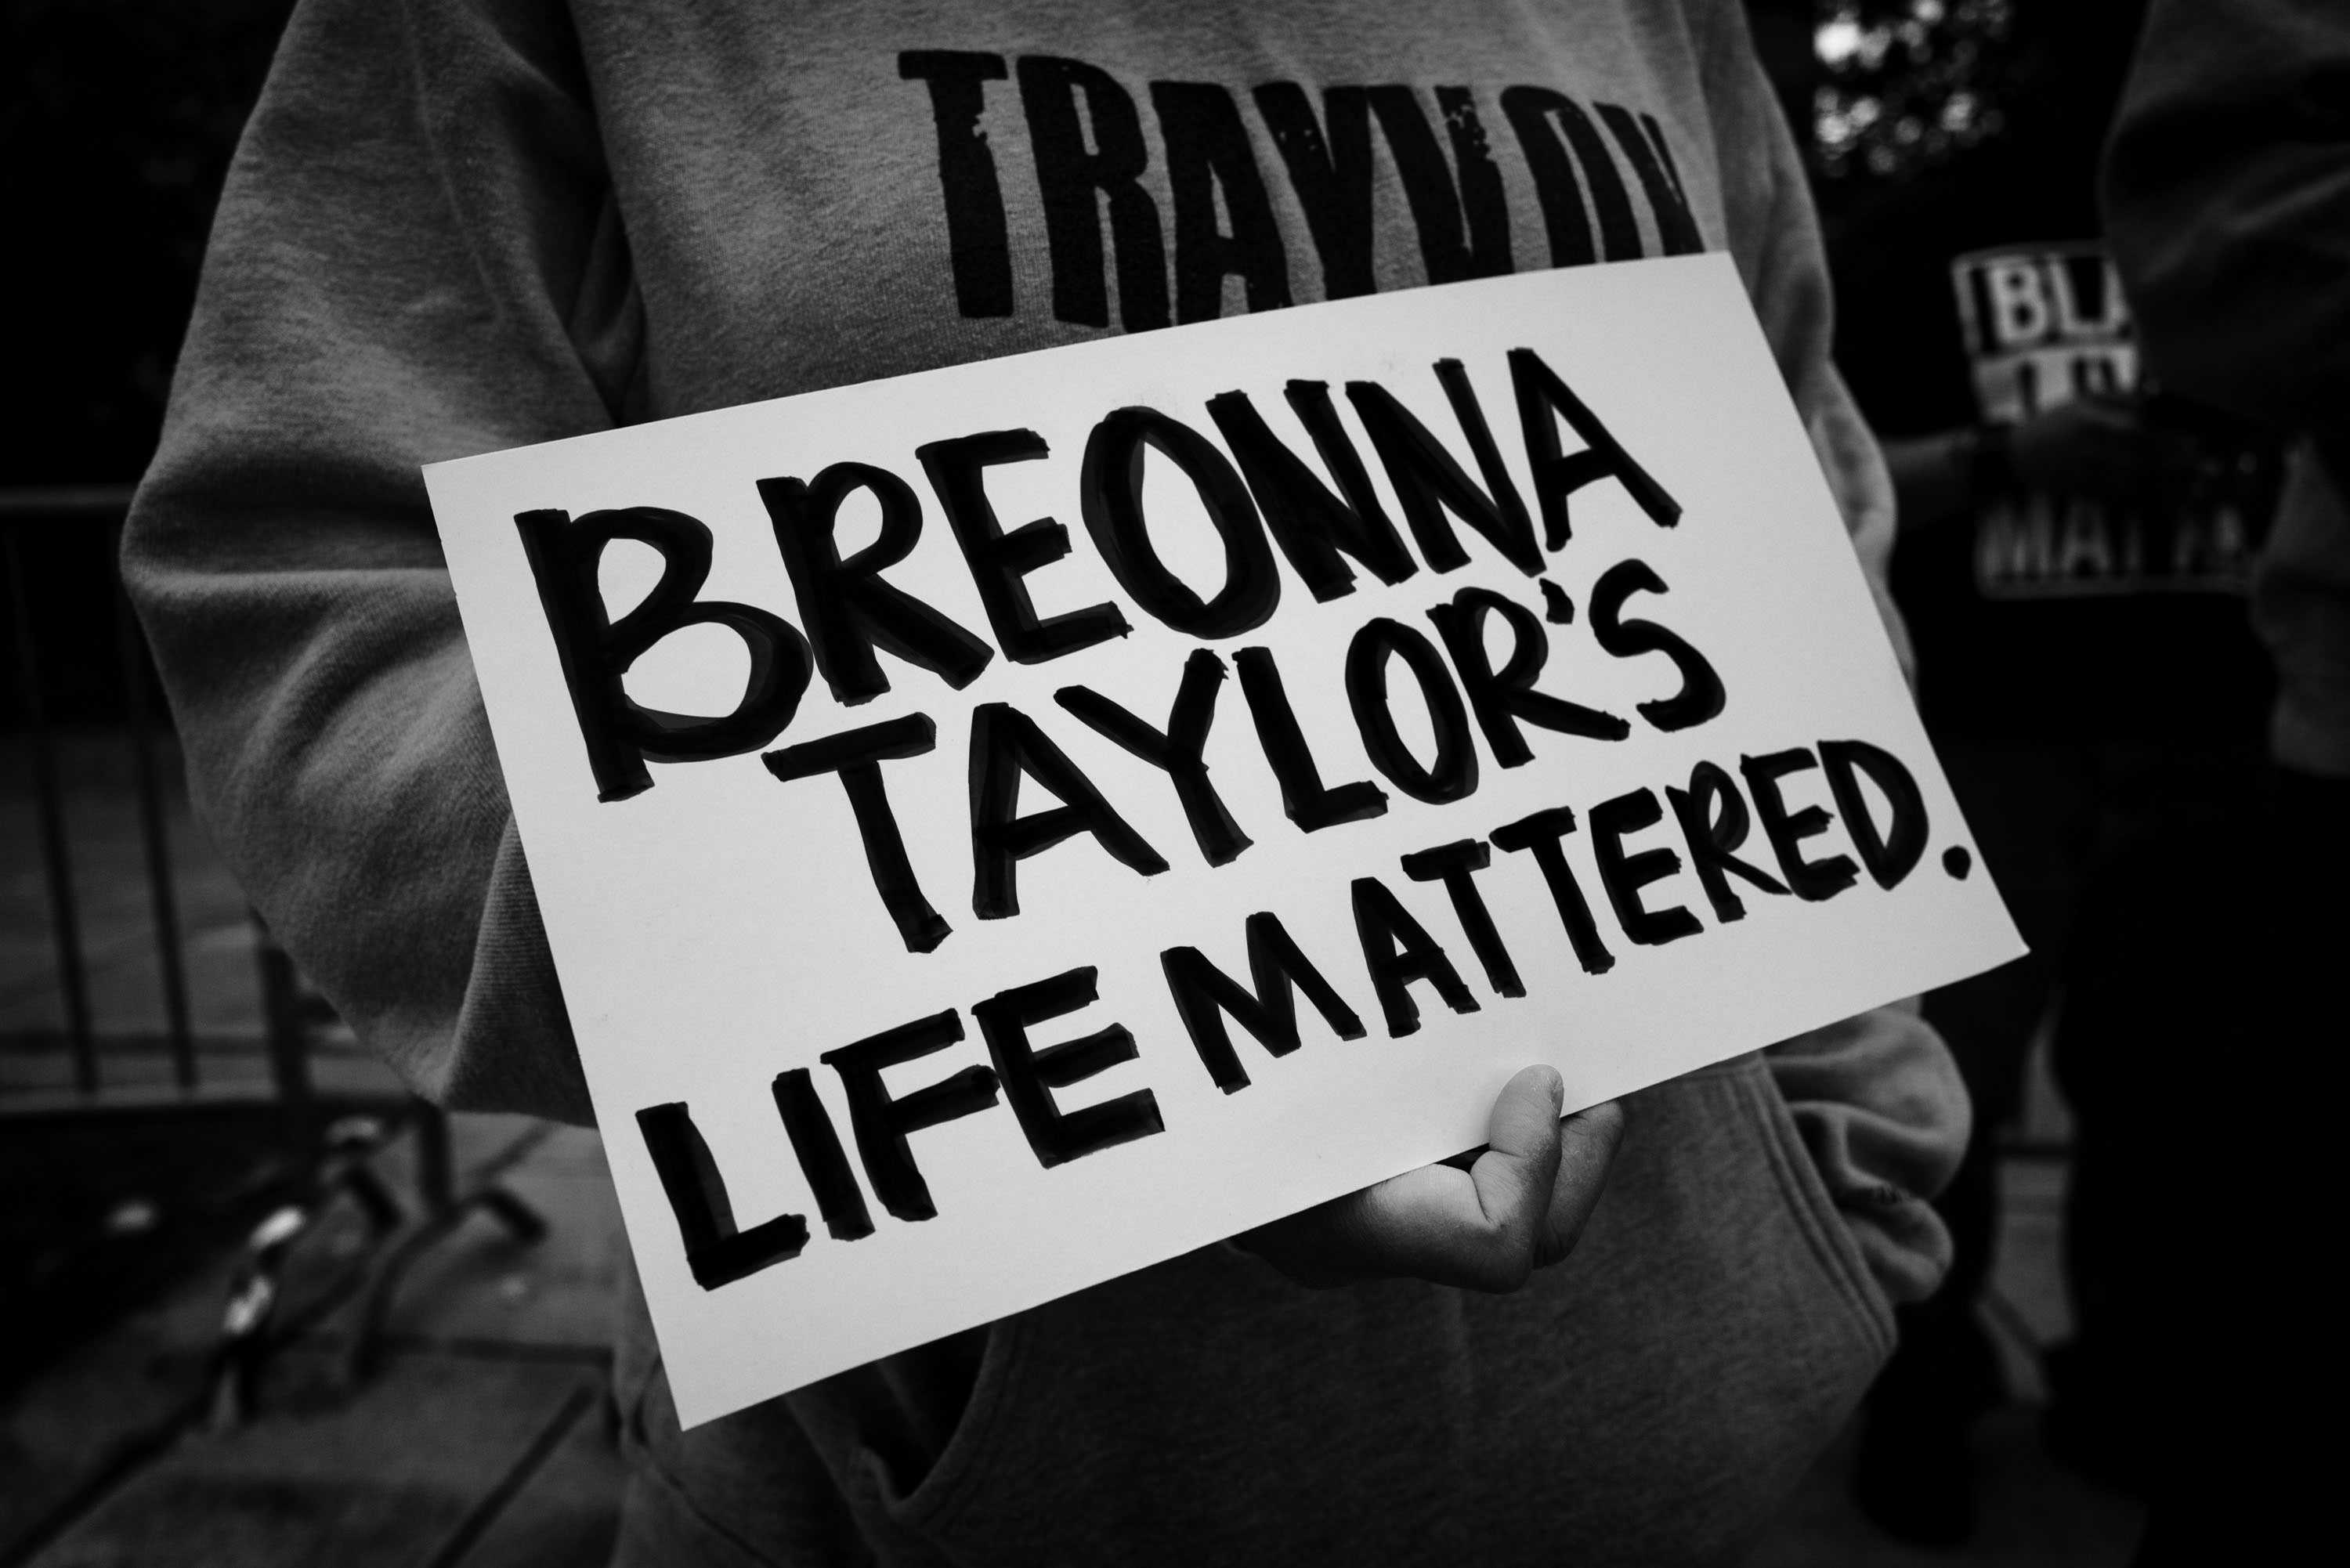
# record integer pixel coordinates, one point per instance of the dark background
(117, 121)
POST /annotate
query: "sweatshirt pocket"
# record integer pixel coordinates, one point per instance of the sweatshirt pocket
(1830, 1239)
(1649, 1400)
(974, 1447)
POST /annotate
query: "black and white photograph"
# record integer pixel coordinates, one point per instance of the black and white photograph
(888, 785)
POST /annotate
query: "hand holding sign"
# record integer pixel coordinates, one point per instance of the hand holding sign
(1438, 680)
(1484, 1223)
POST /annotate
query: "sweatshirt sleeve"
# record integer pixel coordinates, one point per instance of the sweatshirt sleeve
(2227, 193)
(415, 259)
(1877, 1098)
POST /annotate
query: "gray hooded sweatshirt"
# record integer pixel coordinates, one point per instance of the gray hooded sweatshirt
(457, 225)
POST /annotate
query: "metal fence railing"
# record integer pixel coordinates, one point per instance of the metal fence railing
(101, 508)
(74, 645)
(89, 519)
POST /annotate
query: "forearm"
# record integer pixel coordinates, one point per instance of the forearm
(374, 300)
(1934, 478)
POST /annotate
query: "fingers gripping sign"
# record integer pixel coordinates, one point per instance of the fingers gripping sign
(1482, 1223)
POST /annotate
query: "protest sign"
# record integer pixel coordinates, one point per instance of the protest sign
(1002, 827)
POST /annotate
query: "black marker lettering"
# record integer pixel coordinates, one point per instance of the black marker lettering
(1303, 797)
(1624, 874)
(882, 1123)
(1030, 1075)
(1542, 401)
(716, 1253)
(1713, 820)
(1313, 527)
(1700, 696)
(1428, 482)
(1517, 542)
(1810, 879)
(1540, 835)
(818, 1148)
(856, 755)
(847, 607)
(1452, 774)
(1456, 866)
(1179, 750)
(620, 734)
(999, 562)
(1893, 854)
(1203, 994)
(1397, 950)
(1504, 698)
(1005, 744)
(1110, 490)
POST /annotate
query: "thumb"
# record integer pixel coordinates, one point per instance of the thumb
(1587, 1144)
(1516, 1174)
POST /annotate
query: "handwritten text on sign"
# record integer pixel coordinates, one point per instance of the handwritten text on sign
(1002, 827)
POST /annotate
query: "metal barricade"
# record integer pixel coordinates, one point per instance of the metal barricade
(291, 1015)
(101, 507)
(316, 1119)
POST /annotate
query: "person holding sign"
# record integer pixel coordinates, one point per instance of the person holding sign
(2073, 559)
(470, 225)
(2227, 191)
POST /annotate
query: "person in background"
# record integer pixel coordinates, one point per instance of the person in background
(2072, 557)
(457, 225)
(2227, 193)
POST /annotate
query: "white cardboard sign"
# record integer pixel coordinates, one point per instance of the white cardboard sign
(1420, 686)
